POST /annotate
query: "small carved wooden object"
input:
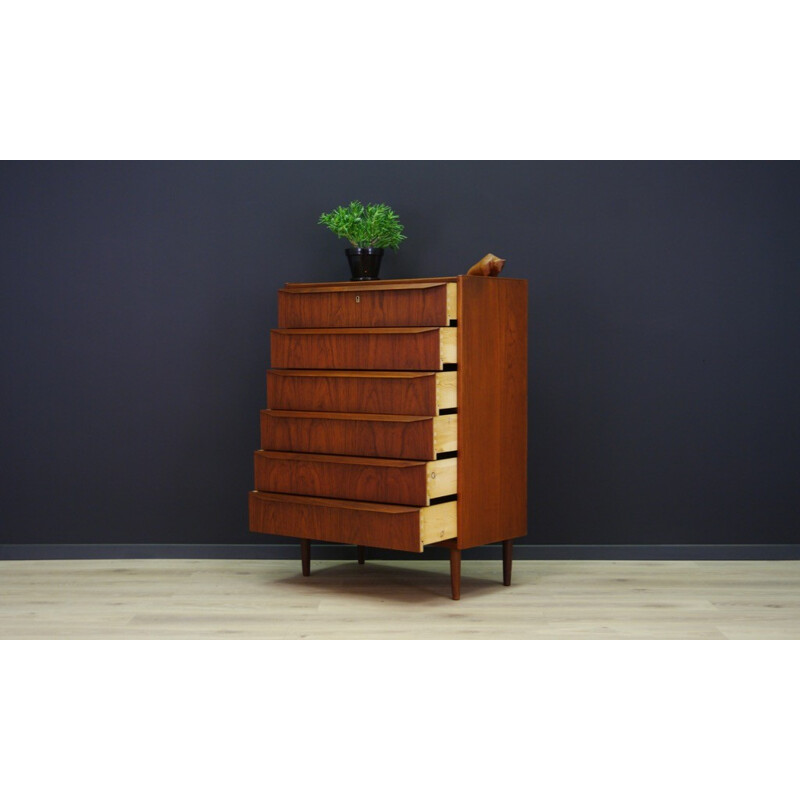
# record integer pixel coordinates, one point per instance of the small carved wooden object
(490, 265)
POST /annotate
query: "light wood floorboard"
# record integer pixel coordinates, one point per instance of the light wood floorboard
(215, 599)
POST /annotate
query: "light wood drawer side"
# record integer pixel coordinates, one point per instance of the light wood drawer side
(437, 523)
(446, 390)
(445, 433)
(441, 478)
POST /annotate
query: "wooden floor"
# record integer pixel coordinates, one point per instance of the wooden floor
(211, 599)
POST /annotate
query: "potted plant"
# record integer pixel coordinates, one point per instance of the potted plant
(369, 229)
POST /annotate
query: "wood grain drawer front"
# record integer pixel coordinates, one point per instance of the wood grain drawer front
(370, 435)
(367, 306)
(418, 393)
(349, 522)
(364, 348)
(373, 480)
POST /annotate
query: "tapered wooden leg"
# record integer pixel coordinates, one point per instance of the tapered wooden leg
(362, 552)
(455, 573)
(305, 556)
(508, 544)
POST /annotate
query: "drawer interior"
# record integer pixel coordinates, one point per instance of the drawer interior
(441, 478)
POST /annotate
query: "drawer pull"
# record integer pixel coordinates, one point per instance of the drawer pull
(433, 476)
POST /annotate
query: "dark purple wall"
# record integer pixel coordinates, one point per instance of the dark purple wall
(664, 338)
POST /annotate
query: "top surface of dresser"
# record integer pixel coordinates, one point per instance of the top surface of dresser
(372, 304)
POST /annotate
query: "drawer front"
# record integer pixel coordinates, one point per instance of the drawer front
(416, 393)
(367, 306)
(349, 522)
(371, 435)
(364, 348)
(375, 480)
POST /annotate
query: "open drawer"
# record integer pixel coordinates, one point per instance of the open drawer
(422, 393)
(364, 348)
(370, 435)
(368, 306)
(349, 522)
(374, 480)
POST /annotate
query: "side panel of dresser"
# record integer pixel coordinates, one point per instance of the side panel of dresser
(493, 409)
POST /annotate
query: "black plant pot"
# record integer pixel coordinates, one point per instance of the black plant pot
(365, 262)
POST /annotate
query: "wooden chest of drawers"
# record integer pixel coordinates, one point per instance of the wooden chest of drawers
(397, 417)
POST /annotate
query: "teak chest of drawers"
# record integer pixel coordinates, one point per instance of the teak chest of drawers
(397, 417)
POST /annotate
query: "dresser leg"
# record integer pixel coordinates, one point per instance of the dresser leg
(508, 544)
(305, 556)
(362, 552)
(455, 573)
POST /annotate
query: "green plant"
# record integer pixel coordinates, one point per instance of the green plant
(365, 226)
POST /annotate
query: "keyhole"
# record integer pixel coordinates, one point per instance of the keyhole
(358, 299)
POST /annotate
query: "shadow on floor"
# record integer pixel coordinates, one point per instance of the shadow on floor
(407, 582)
